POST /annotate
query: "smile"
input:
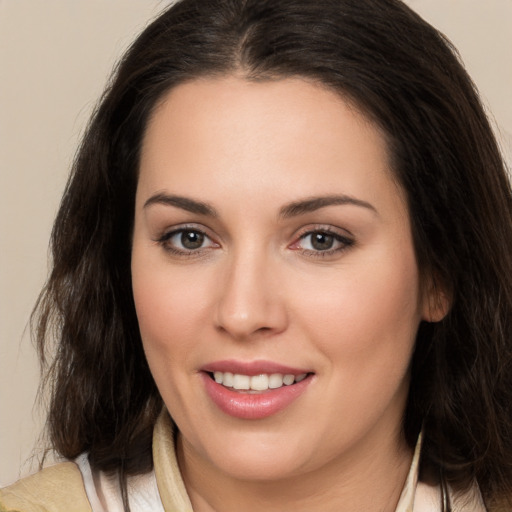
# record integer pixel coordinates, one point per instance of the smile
(262, 382)
(254, 390)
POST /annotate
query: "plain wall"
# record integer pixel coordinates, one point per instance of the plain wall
(55, 56)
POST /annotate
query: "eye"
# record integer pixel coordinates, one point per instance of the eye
(321, 242)
(189, 239)
(186, 241)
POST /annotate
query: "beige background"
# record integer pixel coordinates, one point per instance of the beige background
(55, 56)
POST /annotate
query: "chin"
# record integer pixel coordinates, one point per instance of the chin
(261, 467)
(256, 456)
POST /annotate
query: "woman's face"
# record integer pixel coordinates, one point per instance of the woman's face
(272, 250)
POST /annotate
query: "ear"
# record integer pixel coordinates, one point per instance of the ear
(437, 301)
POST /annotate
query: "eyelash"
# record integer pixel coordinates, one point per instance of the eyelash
(164, 241)
(344, 241)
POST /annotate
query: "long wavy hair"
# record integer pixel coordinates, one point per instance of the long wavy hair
(407, 78)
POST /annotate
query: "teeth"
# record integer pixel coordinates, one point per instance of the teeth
(241, 381)
(227, 380)
(275, 381)
(261, 382)
(289, 379)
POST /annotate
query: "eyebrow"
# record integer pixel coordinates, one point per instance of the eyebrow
(315, 203)
(293, 209)
(185, 203)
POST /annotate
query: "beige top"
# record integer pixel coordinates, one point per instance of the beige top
(73, 486)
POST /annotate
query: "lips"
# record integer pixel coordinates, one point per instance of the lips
(253, 390)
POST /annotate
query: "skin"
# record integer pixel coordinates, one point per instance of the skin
(258, 289)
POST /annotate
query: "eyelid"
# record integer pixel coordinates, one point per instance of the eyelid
(164, 238)
(342, 236)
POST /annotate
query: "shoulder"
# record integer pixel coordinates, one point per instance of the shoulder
(53, 489)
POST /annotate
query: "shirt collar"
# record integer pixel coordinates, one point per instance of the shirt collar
(406, 501)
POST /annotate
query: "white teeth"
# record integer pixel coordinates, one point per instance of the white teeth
(261, 382)
(289, 379)
(241, 381)
(275, 381)
(227, 380)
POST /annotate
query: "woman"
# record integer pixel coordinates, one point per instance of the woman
(288, 229)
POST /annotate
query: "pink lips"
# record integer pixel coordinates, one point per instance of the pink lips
(254, 405)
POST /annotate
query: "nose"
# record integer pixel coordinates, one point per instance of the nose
(250, 299)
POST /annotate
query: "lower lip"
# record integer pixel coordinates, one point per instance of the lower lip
(253, 406)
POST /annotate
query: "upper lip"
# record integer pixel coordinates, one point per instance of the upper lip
(251, 368)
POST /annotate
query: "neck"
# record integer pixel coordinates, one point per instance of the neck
(370, 479)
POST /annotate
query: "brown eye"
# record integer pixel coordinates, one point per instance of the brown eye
(186, 241)
(192, 239)
(322, 241)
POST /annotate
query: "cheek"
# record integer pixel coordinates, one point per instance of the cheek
(170, 309)
(365, 322)
(369, 340)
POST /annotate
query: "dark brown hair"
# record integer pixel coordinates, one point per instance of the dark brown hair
(407, 78)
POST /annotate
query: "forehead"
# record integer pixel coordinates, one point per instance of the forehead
(287, 136)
